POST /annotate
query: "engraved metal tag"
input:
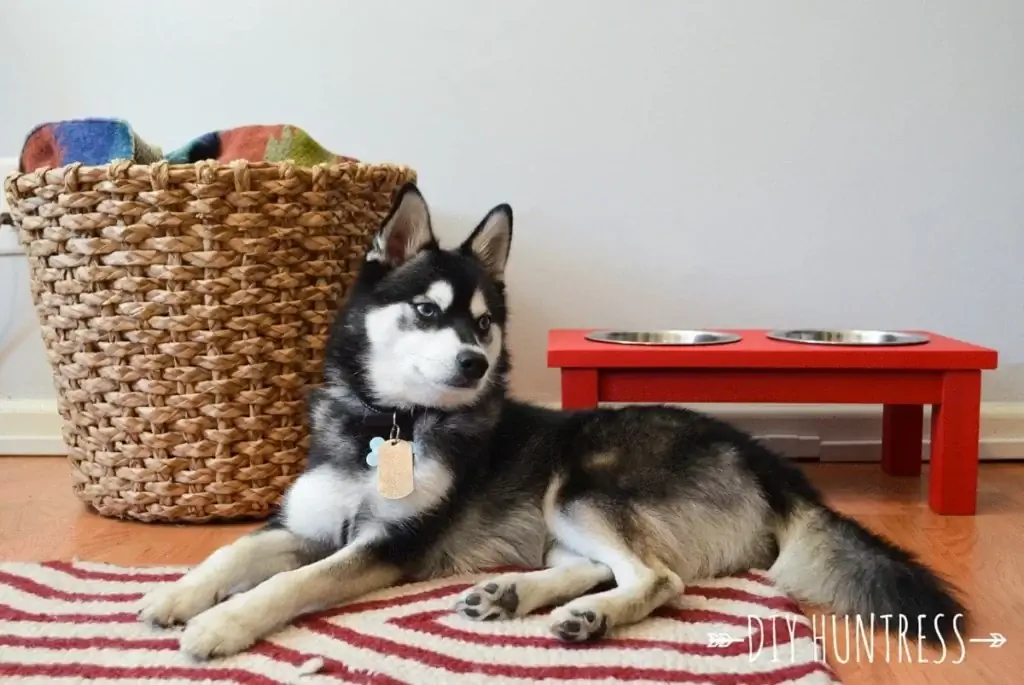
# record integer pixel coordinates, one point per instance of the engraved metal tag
(395, 469)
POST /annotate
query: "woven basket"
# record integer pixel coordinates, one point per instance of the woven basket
(184, 309)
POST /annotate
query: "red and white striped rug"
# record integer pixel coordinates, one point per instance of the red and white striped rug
(64, 622)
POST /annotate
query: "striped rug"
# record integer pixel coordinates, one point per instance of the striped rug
(72, 622)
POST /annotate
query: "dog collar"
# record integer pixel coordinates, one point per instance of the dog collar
(381, 423)
(386, 419)
(385, 424)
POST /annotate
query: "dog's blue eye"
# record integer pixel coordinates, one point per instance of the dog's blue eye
(484, 323)
(427, 309)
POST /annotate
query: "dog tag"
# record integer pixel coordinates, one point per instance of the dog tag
(394, 469)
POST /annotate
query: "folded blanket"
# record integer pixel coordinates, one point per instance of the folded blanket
(100, 141)
(275, 143)
(89, 141)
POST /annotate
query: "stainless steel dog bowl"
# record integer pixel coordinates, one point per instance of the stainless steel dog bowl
(664, 337)
(854, 337)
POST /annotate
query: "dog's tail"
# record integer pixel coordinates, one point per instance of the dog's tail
(828, 559)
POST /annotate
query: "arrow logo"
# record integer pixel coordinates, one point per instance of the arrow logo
(993, 641)
(722, 639)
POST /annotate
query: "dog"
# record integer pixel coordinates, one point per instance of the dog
(618, 508)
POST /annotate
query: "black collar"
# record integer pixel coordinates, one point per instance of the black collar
(387, 422)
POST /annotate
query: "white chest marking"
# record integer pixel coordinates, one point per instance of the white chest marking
(319, 502)
(322, 500)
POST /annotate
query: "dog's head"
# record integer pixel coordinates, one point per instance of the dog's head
(425, 326)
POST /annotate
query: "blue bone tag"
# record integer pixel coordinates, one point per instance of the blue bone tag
(375, 444)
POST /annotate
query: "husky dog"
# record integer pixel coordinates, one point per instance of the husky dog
(618, 508)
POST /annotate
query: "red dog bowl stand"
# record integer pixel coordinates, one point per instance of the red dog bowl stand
(943, 372)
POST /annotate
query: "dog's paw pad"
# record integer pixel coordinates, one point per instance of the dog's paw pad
(578, 625)
(489, 602)
(504, 596)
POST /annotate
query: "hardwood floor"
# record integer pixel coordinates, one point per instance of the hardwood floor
(40, 520)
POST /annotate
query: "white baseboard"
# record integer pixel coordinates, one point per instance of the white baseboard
(826, 433)
(30, 428)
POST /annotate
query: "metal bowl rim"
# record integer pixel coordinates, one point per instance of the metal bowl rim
(718, 337)
(901, 337)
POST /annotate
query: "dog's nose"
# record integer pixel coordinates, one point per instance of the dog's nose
(472, 365)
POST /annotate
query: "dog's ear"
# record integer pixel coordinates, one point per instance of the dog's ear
(491, 241)
(406, 231)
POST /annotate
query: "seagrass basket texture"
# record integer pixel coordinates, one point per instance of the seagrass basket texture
(184, 309)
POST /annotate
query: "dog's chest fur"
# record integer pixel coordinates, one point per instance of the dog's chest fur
(440, 529)
(330, 508)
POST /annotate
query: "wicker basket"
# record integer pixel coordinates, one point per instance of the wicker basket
(184, 309)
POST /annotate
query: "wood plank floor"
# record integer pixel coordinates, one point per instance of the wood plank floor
(40, 520)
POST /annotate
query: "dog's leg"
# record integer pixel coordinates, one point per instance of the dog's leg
(642, 584)
(237, 623)
(518, 594)
(231, 569)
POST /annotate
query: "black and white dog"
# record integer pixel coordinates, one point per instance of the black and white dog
(634, 503)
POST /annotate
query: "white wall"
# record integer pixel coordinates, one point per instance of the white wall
(671, 163)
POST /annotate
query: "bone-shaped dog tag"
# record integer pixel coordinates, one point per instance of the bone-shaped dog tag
(395, 469)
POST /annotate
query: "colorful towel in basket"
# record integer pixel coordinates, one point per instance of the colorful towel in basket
(257, 143)
(89, 141)
(99, 141)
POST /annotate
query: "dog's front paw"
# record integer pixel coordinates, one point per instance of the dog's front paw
(175, 603)
(578, 624)
(490, 600)
(221, 631)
